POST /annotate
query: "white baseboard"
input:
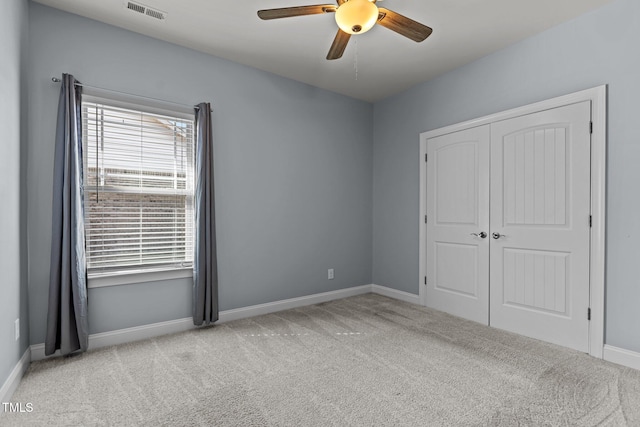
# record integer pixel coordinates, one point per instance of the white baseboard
(272, 307)
(628, 358)
(11, 384)
(396, 294)
(137, 333)
(121, 336)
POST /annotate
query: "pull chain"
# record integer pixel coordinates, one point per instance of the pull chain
(355, 59)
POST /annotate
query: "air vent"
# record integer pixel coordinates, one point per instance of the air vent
(145, 10)
(155, 14)
(136, 7)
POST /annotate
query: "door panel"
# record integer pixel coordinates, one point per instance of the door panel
(456, 172)
(540, 204)
(457, 206)
(535, 280)
(449, 277)
(534, 166)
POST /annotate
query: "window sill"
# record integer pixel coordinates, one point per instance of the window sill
(129, 278)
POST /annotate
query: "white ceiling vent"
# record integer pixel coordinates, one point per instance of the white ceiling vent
(146, 10)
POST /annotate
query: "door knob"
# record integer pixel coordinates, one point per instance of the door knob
(481, 234)
(496, 235)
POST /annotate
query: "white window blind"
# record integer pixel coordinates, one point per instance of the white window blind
(138, 190)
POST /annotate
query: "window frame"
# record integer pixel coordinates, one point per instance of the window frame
(152, 106)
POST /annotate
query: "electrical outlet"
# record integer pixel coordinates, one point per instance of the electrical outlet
(17, 325)
(330, 274)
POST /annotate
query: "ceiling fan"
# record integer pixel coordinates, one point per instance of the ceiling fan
(354, 17)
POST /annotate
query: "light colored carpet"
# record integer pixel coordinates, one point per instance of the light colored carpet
(361, 361)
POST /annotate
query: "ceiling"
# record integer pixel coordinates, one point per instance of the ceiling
(375, 65)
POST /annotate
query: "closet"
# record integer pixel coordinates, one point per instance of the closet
(507, 213)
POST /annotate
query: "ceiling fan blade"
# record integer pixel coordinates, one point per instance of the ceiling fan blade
(339, 44)
(286, 12)
(403, 25)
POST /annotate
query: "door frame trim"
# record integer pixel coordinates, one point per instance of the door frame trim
(598, 98)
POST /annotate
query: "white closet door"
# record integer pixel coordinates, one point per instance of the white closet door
(458, 207)
(540, 206)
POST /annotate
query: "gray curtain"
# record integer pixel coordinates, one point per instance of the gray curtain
(205, 264)
(67, 325)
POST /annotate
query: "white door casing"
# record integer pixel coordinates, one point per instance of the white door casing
(540, 207)
(458, 208)
(595, 270)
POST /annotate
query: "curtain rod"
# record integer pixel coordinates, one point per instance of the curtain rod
(57, 80)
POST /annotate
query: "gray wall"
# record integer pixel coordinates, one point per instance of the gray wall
(292, 175)
(598, 48)
(13, 22)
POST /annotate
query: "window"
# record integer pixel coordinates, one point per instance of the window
(138, 188)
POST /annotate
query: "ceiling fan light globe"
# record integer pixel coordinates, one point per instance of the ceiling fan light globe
(356, 16)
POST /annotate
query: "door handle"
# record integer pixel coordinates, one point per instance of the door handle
(497, 235)
(481, 234)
